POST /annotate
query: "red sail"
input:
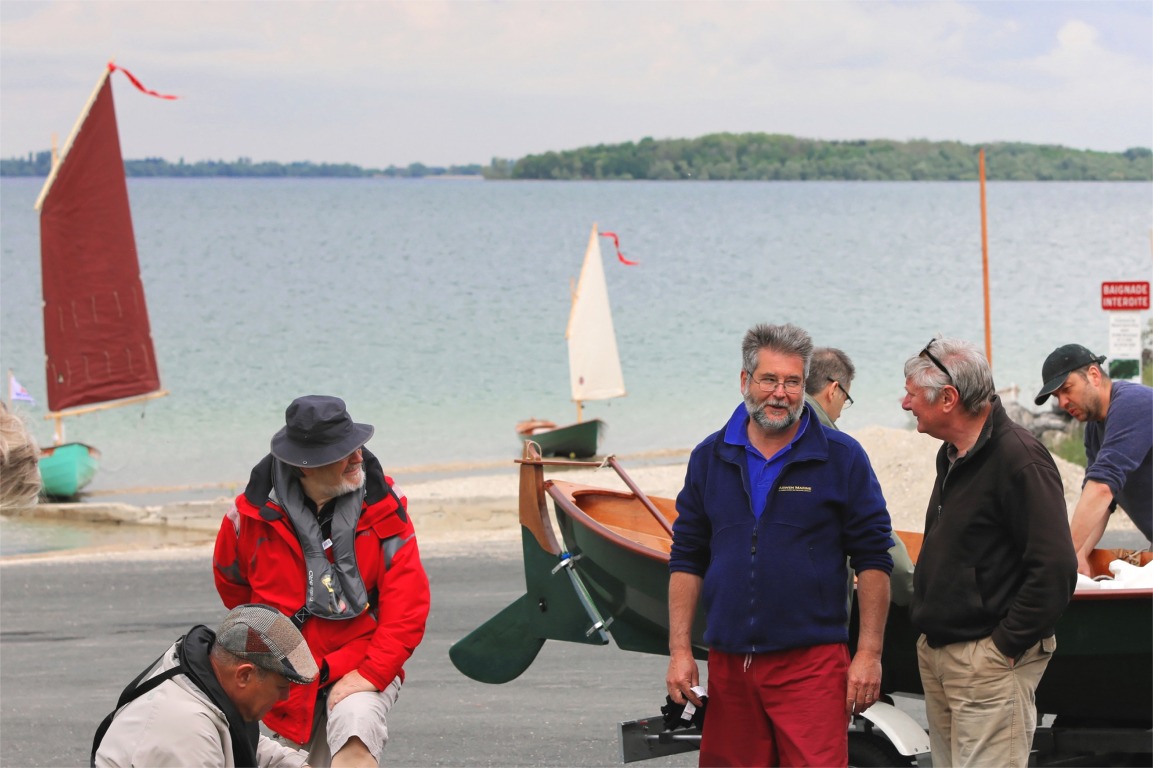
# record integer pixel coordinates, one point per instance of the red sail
(97, 338)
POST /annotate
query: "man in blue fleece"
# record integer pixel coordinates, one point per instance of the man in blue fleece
(1118, 418)
(772, 506)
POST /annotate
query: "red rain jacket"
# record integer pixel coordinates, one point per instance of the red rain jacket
(259, 560)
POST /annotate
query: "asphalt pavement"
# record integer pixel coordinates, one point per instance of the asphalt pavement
(74, 633)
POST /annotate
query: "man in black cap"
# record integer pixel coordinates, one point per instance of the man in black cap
(1118, 418)
(324, 536)
(200, 702)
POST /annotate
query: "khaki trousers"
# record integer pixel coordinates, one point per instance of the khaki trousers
(981, 707)
(363, 715)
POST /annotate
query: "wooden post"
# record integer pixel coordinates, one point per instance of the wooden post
(985, 260)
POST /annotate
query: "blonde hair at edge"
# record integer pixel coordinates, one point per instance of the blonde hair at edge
(19, 471)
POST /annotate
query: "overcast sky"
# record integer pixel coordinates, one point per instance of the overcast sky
(391, 83)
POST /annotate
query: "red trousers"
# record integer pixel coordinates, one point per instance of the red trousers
(785, 708)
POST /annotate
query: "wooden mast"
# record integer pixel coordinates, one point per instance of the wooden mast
(572, 291)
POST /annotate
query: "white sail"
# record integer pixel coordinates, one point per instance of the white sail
(594, 365)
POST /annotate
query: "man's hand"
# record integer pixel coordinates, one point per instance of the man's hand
(682, 677)
(351, 683)
(864, 682)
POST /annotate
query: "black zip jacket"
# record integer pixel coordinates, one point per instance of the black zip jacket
(997, 558)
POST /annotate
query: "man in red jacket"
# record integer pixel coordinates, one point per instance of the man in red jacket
(324, 536)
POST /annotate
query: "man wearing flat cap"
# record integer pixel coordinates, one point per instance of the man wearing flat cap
(322, 534)
(200, 703)
(1118, 418)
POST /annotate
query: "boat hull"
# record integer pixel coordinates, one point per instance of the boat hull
(67, 468)
(628, 583)
(574, 441)
(619, 550)
(1101, 670)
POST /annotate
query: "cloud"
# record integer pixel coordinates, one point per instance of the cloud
(444, 82)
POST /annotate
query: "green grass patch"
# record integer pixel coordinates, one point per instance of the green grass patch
(1071, 446)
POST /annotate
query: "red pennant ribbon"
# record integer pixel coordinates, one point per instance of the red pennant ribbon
(617, 243)
(132, 78)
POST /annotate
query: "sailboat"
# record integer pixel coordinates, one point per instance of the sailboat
(97, 338)
(594, 363)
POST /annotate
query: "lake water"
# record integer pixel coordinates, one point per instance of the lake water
(437, 309)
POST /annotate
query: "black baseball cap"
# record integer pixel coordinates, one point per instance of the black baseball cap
(1063, 361)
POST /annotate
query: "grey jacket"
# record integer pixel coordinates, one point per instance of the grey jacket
(177, 725)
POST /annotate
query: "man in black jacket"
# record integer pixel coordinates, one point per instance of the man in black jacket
(997, 566)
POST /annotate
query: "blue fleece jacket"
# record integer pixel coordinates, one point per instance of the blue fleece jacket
(780, 581)
(1120, 451)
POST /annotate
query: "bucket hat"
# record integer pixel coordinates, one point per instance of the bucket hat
(317, 431)
(1063, 361)
(262, 635)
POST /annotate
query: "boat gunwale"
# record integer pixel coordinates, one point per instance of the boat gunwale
(1091, 595)
(563, 494)
(567, 492)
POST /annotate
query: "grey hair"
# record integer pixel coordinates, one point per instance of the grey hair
(19, 464)
(785, 339)
(829, 363)
(969, 372)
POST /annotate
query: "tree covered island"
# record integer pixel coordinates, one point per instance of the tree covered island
(716, 157)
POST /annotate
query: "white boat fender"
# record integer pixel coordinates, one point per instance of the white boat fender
(902, 731)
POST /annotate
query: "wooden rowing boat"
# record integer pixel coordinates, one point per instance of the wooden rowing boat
(597, 569)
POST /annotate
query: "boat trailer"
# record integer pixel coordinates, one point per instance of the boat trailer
(885, 736)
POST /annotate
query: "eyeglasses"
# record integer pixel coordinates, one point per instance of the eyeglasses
(768, 384)
(848, 399)
(935, 361)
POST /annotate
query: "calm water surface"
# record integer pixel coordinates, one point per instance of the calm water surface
(437, 309)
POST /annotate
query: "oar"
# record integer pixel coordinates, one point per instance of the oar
(501, 649)
(641, 495)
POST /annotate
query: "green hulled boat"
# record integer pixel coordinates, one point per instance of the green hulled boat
(594, 364)
(606, 578)
(66, 468)
(574, 441)
(97, 337)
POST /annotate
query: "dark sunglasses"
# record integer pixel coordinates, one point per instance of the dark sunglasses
(935, 361)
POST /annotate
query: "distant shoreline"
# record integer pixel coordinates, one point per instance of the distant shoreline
(715, 157)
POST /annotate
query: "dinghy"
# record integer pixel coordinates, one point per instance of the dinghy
(97, 337)
(596, 569)
(594, 364)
